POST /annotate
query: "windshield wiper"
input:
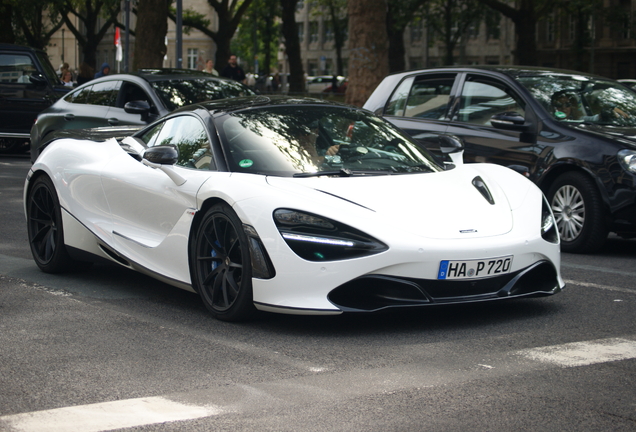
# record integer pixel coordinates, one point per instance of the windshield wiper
(342, 172)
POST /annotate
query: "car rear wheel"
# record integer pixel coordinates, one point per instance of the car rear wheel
(44, 226)
(578, 210)
(221, 266)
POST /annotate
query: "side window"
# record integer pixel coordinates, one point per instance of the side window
(188, 135)
(131, 92)
(103, 93)
(429, 98)
(79, 96)
(150, 137)
(397, 103)
(481, 100)
(16, 68)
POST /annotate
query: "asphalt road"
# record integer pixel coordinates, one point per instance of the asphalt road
(109, 349)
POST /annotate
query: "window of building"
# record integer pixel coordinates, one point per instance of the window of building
(313, 32)
(193, 56)
(301, 32)
(328, 34)
(416, 31)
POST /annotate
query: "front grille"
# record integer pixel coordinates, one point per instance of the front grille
(376, 292)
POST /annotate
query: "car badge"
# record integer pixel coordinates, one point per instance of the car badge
(468, 231)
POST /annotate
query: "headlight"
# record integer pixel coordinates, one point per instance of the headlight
(627, 159)
(549, 230)
(316, 238)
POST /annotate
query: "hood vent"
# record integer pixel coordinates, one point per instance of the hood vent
(479, 183)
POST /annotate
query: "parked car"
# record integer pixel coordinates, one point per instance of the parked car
(28, 85)
(628, 82)
(130, 99)
(316, 84)
(295, 206)
(571, 133)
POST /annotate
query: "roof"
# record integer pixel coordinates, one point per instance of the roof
(235, 104)
(512, 71)
(166, 74)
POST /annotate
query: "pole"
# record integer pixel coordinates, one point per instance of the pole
(179, 34)
(127, 38)
(63, 45)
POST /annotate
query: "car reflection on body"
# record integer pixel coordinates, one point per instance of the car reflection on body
(130, 99)
(292, 205)
(572, 134)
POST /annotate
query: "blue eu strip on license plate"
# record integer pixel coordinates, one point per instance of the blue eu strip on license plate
(474, 269)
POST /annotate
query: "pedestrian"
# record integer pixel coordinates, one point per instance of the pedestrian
(233, 70)
(209, 67)
(67, 78)
(103, 71)
(85, 73)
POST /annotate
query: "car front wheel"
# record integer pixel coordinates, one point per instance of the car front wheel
(221, 266)
(578, 210)
(44, 226)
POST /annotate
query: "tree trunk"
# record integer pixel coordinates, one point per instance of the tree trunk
(292, 47)
(6, 29)
(369, 57)
(152, 23)
(397, 51)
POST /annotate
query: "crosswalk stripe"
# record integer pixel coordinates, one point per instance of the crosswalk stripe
(106, 416)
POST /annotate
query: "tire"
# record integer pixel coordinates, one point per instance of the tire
(579, 212)
(44, 226)
(221, 265)
(14, 145)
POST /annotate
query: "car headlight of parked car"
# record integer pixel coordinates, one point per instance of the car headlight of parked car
(316, 238)
(627, 159)
(549, 230)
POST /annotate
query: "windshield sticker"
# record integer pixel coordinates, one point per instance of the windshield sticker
(246, 163)
(560, 114)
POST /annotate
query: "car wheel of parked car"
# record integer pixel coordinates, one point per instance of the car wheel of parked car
(46, 235)
(578, 210)
(221, 266)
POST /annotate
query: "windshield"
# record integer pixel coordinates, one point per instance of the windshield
(176, 93)
(309, 140)
(579, 99)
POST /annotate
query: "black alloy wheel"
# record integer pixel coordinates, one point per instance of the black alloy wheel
(221, 266)
(578, 211)
(44, 226)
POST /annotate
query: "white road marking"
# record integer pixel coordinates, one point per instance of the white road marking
(583, 353)
(603, 287)
(106, 416)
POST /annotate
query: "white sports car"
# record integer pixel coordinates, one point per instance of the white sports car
(292, 205)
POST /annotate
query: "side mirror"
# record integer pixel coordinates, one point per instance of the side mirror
(38, 79)
(138, 107)
(452, 146)
(162, 155)
(509, 121)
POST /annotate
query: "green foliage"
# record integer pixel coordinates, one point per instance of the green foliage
(257, 36)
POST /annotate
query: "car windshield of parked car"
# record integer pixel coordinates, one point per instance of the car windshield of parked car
(579, 99)
(318, 140)
(176, 93)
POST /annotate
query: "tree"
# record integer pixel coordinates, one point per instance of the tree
(152, 22)
(399, 15)
(29, 23)
(333, 10)
(368, 48)
(524, 14)
(229, 14)
(292, 46)
(451, 19)
(90, 13)
(258, 34)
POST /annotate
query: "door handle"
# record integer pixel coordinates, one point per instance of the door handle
(69, 117)
(113, 121)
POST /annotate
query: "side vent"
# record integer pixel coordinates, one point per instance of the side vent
(479, 184)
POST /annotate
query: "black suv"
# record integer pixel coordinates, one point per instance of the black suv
(28, 85)
(571, 133)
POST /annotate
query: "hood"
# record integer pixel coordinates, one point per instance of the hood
(443, 205)
(623, 135)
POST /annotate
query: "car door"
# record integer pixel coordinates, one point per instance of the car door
(481, 97)
(149, 209)
(88, 107)
(420, 105)
(129, 92)
(21, 100)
